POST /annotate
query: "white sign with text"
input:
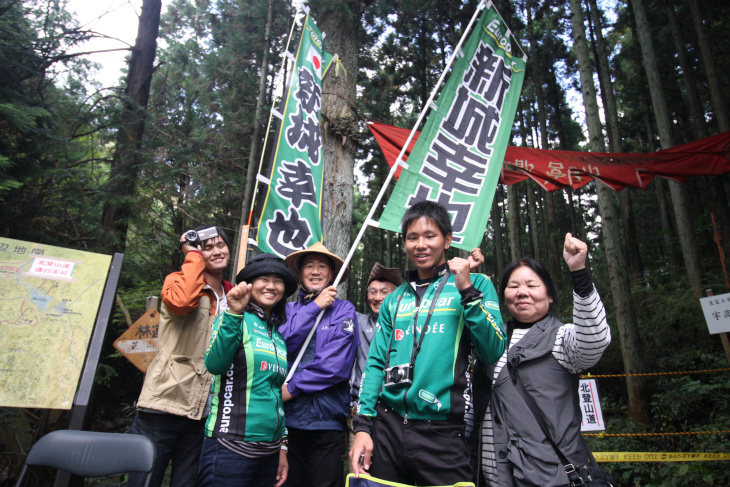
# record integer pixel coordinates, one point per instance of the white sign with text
(590, 406)
(717, 313)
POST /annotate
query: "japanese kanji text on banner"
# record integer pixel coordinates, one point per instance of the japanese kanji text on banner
(458, 157)
(290, 217)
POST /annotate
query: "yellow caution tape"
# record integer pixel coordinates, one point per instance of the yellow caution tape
(586, 376)
(659, 457)
(603, 434)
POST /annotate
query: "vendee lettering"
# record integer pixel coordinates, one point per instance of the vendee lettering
(433, 328)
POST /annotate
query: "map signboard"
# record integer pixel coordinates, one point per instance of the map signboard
(49, 298)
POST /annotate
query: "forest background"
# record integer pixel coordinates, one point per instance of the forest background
(177, 143)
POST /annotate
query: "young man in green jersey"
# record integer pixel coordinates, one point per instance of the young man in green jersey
(416, 386)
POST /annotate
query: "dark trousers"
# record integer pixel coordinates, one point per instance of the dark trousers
(420, 452)
(220, 467)
(176, 438)
(315, 458)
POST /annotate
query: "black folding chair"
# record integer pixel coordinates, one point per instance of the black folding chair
(92, 454)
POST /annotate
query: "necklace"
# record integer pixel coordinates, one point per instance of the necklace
(223, 292)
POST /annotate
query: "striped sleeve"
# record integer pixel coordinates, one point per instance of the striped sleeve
(580, 345)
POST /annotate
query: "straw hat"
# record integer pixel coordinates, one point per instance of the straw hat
(294, 260)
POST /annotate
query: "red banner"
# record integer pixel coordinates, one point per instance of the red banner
(555, 170)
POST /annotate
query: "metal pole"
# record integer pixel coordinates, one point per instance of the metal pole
(279, 75)
(718, 241)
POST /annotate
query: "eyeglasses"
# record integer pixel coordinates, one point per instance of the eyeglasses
(383, 292)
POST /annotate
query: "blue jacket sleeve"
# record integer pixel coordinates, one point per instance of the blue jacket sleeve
(299, 322)
(335, 352)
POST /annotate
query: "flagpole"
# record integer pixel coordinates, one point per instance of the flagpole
(279, 76)
(398, 162)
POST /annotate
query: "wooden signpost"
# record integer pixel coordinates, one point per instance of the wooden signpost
(139, 343)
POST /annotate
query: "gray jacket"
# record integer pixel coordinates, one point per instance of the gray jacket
(367, 332)
(523, 454)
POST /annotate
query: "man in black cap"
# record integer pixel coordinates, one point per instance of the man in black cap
(381, 282)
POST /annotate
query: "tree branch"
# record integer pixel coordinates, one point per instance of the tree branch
(124, 310)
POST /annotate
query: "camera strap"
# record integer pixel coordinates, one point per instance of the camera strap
(390, 343)
(417, 345)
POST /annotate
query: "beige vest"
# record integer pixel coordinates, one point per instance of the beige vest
(177, 381)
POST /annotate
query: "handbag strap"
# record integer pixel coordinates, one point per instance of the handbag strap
(573, 476)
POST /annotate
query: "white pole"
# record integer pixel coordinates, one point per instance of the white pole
(278, 78)
(398, 162)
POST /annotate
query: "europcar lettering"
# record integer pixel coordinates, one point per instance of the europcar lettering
(467, 391)
(227, 402)
(265, 345)
(425, 304)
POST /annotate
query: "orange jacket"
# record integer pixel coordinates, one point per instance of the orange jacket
(182, 290)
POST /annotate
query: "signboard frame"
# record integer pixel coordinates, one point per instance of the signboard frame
(91, 364)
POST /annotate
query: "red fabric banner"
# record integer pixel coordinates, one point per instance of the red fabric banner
(555, 170)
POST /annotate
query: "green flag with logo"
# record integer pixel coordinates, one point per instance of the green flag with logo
(458, 156)
(290, 216)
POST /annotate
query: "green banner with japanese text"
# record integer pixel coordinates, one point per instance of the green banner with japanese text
(290, 218)
(458, 156)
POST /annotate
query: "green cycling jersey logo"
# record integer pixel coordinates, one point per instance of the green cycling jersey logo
(428, 397)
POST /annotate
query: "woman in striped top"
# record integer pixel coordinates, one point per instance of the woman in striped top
(548, 356)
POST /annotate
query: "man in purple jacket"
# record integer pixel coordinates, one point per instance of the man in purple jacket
(317, 398)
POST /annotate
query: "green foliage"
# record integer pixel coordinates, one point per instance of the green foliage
(33, 40)
(673, 330)
(58, 129)
(50, 144)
